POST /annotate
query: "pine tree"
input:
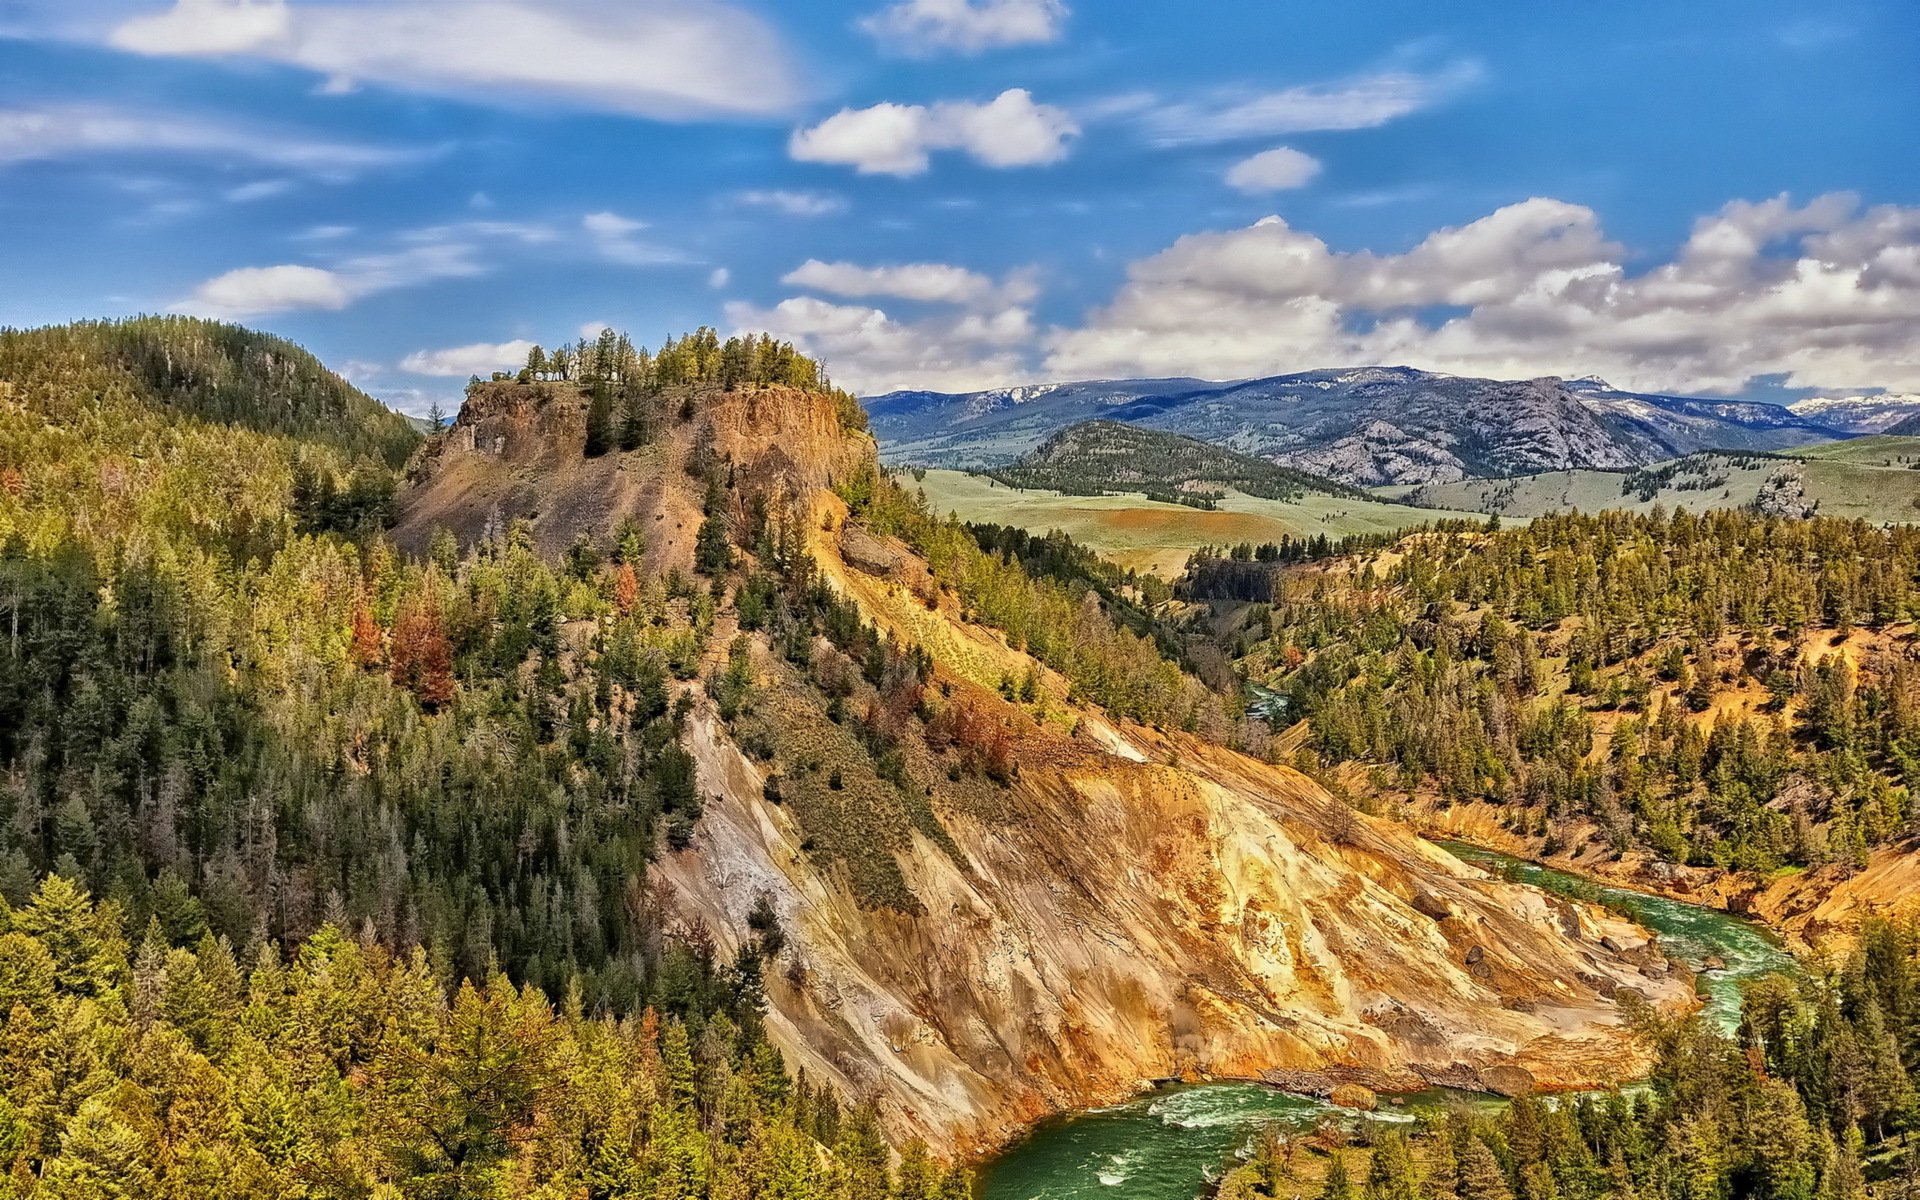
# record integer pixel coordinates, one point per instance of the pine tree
(364, 646)
(1337, 1185)
(600, 431)
(421, 657)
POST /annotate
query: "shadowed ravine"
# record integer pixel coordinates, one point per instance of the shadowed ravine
(1168, 1145)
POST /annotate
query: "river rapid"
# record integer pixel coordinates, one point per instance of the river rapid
(1170, 1144)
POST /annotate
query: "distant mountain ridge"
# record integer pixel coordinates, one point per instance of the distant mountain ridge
(1364, 426)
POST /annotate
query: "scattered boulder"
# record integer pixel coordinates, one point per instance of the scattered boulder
(1355, 1096)
(1507, 1080)
(1475, 954)
(1713, 962)
(1613, 945)
(1429, 904)
(867, 553)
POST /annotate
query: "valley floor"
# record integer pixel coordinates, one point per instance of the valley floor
(1152, 535)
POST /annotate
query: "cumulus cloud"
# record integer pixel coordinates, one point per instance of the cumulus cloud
(71, 131)
(1273, 170)
(670, 59)
(480, 358)
(792, 203)
(1825, 294)
(1362, 102)
(899, 139)
(922, 27)
(869, 351)
(930, 283)
(980, 329)
(262, 291)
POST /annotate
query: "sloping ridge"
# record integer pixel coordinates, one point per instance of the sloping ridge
(1131, 906)
(1156, 907)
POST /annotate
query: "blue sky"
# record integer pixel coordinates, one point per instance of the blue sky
(1712, 197)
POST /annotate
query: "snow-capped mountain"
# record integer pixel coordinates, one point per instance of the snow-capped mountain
(1859, 414)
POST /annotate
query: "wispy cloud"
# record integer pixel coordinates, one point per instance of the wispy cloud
(74, 130)
(414, 257)
(1360, 102)
(651, 58)
(617, 239)
(791, 202)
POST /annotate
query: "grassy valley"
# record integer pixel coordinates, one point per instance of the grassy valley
(1147, 500)
(1158, 535)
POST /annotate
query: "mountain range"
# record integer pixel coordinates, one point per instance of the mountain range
(1368, 426)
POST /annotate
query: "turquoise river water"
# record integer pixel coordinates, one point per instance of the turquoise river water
(1169, 1144)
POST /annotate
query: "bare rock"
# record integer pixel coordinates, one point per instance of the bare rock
(1432, 905)
(1356, 1096)
(867, 553)
(1507, 1080)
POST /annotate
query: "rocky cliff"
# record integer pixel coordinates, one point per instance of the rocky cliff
(517, 451)
(1125, 905)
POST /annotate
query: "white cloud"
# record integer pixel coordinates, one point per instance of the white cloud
(606, 224)
(1826, 295)
(920, 27)
(720, 277)
(616, 239)
(1274, 170)
(869, 351)
(932, 283)
(262, 291)
(899, 139)
(264, 189)
(670, 59)
(792, 203)
(1363, 102)
(480, 358)
(71, 131)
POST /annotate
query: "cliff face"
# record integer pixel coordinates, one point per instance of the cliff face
(1130, 906)
(1150, 907)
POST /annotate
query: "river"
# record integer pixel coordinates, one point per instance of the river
(1169, 1144)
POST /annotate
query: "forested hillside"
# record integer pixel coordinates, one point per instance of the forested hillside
(1728, 689)
(319, 784)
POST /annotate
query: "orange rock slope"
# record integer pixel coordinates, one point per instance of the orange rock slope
(1140, 906)
(1158, 907)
